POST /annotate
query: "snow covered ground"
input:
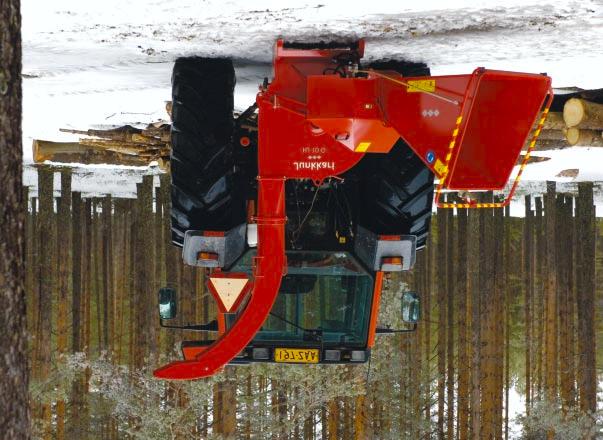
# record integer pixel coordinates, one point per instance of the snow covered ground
(94, 63)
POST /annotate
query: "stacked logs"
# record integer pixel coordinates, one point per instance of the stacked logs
(124, 145)
(574, 120)
(584, 120)
(578, 123)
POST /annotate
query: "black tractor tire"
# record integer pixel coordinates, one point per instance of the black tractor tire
(396, 194)
(206, 187)
(397, 188)
(406, 68)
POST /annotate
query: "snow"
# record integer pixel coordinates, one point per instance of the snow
(95, 63)
(109, 62)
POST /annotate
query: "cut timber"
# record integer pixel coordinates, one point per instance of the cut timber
(159, 130)
(156, 133)
(583, 114)
(552, 134)
(550, 144)
(74, 152)
(123, 133)
(584, 137)
(131, 148)
(554, 121)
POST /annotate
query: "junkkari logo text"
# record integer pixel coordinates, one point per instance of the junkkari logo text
(314, 166)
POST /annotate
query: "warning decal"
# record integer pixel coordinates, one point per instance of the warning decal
(421, 85)
(228, 290)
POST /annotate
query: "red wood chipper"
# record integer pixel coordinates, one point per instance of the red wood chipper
(300, 204)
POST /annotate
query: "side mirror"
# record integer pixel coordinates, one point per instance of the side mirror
(411, 308)
(167, 303)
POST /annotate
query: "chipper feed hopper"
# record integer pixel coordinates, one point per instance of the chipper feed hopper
(298, 206)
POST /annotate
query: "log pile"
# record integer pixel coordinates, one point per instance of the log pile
(584, 137)
(583, 114)
(576, 120)
(124, 145)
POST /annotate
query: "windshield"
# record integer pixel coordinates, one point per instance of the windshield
(326, 291)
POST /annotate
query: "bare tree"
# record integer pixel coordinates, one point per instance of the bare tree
(14, 412)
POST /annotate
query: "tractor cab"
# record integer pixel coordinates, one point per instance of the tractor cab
(325, 312)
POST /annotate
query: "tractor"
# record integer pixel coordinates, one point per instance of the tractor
(298, 206)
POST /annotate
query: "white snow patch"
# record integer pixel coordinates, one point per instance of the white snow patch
(91, 63)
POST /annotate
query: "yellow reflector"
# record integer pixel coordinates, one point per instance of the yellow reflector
(207, 256)
(439, 167)
(362, 147)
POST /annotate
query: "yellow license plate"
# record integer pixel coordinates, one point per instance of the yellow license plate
(296, 355)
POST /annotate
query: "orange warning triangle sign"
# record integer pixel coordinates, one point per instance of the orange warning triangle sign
(228, 289)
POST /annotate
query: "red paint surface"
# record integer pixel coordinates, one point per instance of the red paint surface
(311, 123)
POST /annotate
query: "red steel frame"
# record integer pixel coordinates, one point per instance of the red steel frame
(316, 126)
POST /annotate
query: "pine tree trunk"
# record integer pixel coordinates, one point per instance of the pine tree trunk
(249, 406)
(65, 283)
(587, 377)
(309, 428)
(108, 318)
(161, 241)
(28, 258)
(414, 388)
(14, 409)
(333, 419)
(87, 290)
(97, 277)
(463, 359)
(32, 296)
(77, 390)
(144, 293)
(550, 286)
(217, 413)
(362, 427)
(528, 283)
(563, 263)
(487, 332)
(474, 267)
(152, 281)
(507, 314)
(46, 285)
(147, 242)
(229, 403)
(538, 312)
(497, 323)
(571, 302)
(450, 291)
(442, 303)
(427, 378)
(172, 257)
(119, 266)
(76, 276)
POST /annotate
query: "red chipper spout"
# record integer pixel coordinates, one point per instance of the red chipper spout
(269, 267)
